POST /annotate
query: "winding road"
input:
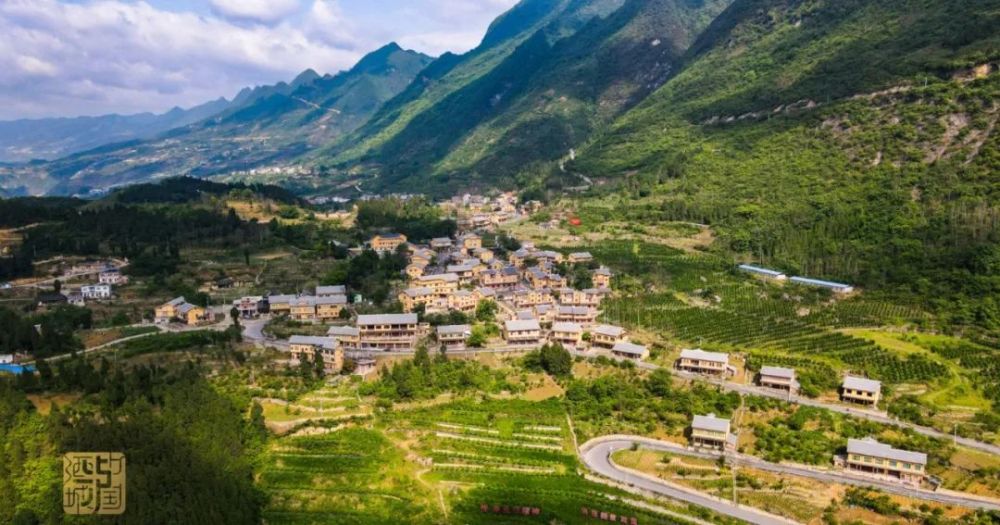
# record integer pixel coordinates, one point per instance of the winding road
(596, 454)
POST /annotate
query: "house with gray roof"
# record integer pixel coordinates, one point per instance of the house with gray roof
(630, 350)
(861, 390)
(778, 378)
(388, 332)
(454, 337)
(711, 432)
(869, 457)
(607, 336)
(522, 332)
(702, 362)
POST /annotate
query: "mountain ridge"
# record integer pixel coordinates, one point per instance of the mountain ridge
(262, 126)
(24, 140)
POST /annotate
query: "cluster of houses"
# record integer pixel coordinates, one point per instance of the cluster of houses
(864, 456)
(853, 389)
(108, 277)
(478, 212)
(325, 304)
(838, 288)
(371, 333)
(536, 303)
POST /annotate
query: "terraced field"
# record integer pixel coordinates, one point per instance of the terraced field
(328, 403)
(731, 330)
(350, 475)
(510, 454)
(465, 462)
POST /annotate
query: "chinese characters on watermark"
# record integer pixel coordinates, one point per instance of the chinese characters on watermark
(94, 483)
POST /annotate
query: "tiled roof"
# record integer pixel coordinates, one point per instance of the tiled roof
(710, 422)
(629, 348)
(387, 319)
(522, 325)
(701, 355)
(870, 447)
(860, 383)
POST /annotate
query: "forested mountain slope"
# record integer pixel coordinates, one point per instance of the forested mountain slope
(548, 95)
(549, 20)
(841, 138)
(263, 126)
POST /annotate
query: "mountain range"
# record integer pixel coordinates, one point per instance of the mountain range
(853, 139)
(260, 127)
(559, 92)
(25, 140)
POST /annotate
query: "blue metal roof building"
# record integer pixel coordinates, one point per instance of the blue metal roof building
(16, 369)
(837, 287)
(774, 274)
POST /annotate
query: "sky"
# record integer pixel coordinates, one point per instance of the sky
(64, 58)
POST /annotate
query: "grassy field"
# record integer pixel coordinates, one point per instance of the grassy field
(678, 299)
(98, 337)
(438, 463)
(350, 475)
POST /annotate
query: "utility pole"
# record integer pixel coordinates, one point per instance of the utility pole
(733, 471)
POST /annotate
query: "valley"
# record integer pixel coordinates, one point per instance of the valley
(624, 261)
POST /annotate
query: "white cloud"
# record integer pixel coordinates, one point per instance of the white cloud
(87, 57)
(127, 57)
(263, 11)
(34, 66)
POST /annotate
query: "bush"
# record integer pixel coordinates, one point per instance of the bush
(552, 358)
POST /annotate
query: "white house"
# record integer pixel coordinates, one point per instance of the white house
(112, 277)
(96, 291)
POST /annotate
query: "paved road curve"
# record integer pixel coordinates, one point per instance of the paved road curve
(595, 454)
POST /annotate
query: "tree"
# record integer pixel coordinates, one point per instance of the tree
(486, 311)
(659, 383)
(57, 286)
(477, 339)
(44, 372)
(234, 313)
(422, 358)
(305, 368)
(319, 369)
(556, 360)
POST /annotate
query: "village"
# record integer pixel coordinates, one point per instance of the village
(528, 294)
(488, 293)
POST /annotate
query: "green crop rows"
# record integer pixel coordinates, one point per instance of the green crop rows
(863, 313)
(729, 329)
(482, 445)
(344, 476)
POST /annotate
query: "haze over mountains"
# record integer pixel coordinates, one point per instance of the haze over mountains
(607, 78)
(24, 140)
(262, 125)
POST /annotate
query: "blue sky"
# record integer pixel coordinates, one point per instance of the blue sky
(91, 57)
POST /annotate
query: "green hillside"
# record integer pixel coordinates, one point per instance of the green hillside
(843, 139)
(547, 95)
(445, 78)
